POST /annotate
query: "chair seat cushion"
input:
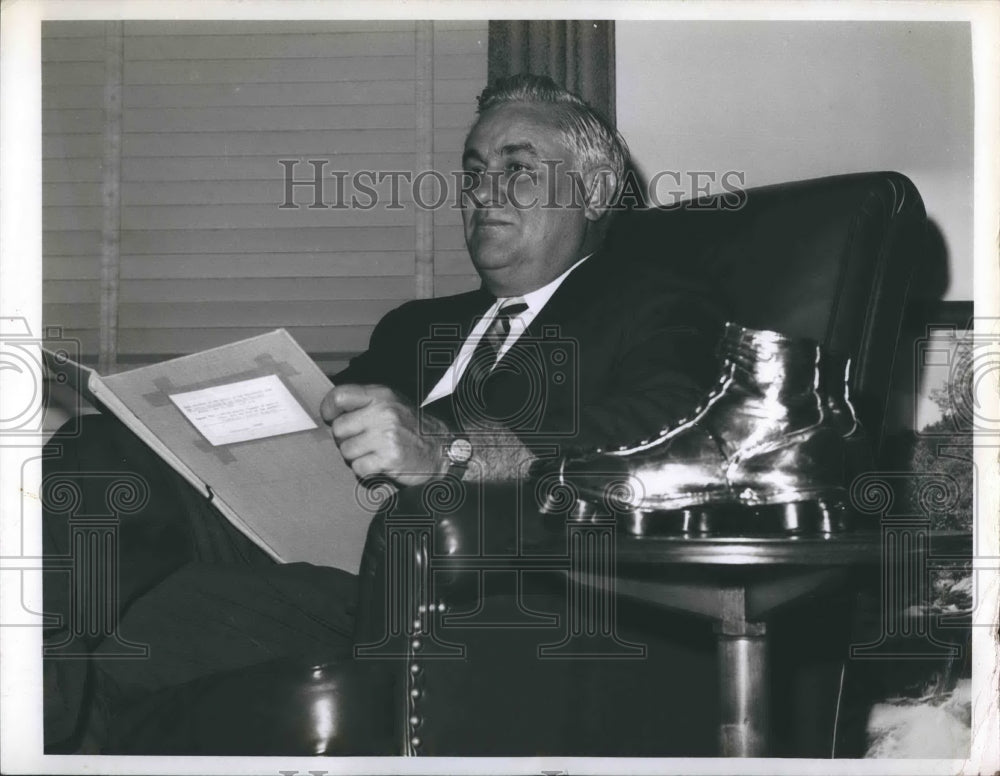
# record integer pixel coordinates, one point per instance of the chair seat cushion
(281, 707)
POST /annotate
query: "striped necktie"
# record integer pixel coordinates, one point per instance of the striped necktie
(471, 398)
(499, 328)
(487, 350)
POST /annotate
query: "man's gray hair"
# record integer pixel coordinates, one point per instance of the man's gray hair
(590, 136)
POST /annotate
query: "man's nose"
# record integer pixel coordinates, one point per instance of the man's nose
(489, 189)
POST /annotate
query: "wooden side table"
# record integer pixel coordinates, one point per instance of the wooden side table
(740, 583)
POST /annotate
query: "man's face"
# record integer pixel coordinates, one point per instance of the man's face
(516, 244)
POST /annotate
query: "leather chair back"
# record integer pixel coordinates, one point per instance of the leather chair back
(830, 259)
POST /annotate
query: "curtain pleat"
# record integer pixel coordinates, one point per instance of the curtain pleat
(577, 54)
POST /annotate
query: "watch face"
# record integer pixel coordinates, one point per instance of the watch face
(460, 451)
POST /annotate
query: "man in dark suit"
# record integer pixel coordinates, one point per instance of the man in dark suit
(602, 348)
(566, 344)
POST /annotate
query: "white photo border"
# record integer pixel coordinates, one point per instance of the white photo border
(20, 298)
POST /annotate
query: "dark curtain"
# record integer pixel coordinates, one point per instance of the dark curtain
(578, 54)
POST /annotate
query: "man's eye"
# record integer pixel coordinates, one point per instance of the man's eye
(518, 167)
(473, 176)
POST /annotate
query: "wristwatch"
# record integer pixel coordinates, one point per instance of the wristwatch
(458, 452)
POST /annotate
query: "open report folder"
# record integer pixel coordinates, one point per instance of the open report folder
(241, 423)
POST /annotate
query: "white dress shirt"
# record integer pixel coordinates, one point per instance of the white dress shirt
(535, 300)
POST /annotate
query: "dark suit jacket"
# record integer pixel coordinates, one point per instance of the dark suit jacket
(622, 348)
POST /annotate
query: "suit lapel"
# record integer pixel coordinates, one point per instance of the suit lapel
(514, 390)
(445, 335)
(573, 300)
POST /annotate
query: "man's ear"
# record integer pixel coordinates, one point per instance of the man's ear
(600, 189)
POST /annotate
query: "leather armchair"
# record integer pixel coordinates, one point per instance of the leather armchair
(488, 637)
(513, 672)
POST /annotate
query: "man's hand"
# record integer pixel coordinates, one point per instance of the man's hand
(378, 432)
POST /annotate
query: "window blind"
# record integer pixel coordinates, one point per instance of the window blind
(207, 255)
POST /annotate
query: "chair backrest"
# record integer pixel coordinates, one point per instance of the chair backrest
(830, 259)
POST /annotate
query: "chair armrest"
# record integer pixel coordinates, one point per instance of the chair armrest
(495, 519)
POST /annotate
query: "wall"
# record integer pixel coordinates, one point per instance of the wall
(793, 100)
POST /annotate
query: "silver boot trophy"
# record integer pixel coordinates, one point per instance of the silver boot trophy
(764, 452)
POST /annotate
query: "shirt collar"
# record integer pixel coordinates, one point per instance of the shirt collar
(538, 298)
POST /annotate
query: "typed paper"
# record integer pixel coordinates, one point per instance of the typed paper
(242, 411)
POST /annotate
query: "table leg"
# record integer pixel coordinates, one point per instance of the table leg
(744, 690)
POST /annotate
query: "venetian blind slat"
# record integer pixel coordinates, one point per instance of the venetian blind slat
(267, 191)
(269, 118)
(277, 144)
(329, 240)
(185, 290)
(182, 316)
(139, 343)
(253, 216)
(309, 45)
(389, 92)
(269, 265)
(271, 70)
(195, 29)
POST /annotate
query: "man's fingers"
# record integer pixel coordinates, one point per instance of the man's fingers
(346, 398)
(358, 446)
(366, 466)
(347, 425)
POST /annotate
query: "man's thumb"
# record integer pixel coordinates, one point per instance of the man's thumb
(328, 408)
(343, 398)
